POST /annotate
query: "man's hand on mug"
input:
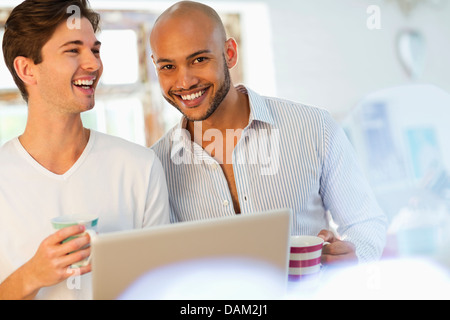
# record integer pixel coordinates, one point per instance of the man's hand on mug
(49, 265)
(337, 251)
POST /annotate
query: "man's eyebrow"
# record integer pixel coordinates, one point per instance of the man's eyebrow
(79, 43)
(189, 57)
(162, 60)
(197, 53)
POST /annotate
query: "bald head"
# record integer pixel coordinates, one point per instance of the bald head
(189, 12)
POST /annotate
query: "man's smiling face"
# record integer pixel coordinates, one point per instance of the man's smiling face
(71, 68)
(190, 61)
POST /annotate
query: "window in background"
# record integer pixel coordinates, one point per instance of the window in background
(125, 104)
(118, 109)
(120, 57)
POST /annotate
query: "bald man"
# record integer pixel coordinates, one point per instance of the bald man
(237, 152)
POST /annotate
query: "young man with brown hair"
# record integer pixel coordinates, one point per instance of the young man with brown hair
(58, 167)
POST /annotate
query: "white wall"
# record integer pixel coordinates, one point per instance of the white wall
(325, 55)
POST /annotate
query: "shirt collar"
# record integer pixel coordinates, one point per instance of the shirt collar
(258, 112)
(258, 107)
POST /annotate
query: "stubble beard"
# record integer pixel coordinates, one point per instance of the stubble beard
(216, 100)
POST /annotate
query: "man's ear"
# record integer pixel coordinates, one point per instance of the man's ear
(231, 53)
(153, 59)
(25, 68)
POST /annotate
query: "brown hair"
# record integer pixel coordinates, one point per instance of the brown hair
(31, 24)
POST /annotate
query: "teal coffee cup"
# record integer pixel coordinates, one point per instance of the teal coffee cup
(88, 221)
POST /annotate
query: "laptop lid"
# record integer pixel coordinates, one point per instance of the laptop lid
(120, 258)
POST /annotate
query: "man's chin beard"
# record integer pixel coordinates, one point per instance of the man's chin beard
(209, 112)
(217, 99)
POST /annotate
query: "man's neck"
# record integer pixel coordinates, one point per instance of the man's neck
(232, 114)
(56, 144)
(219, 134)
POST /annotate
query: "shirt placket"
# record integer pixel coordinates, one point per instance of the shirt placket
(217, 184)
(241, 168)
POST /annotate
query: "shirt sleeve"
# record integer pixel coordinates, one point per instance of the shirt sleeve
(157, 204)
(348, 196)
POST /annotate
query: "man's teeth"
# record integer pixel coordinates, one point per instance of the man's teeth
(83, 82)
(193, 96)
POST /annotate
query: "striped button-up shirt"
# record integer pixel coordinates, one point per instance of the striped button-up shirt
(289, 156)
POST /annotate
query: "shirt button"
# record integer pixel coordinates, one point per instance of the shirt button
(214, 166)
(225, 203)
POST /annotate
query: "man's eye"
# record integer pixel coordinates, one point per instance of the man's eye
(167, 67)
(72, 51)
(200, 60)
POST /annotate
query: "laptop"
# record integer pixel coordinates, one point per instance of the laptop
(119, 259)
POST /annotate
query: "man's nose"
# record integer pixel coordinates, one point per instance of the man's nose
(91, 62)
(186, 79)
